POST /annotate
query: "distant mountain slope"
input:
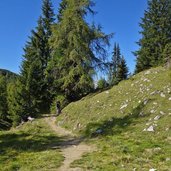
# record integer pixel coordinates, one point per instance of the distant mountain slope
(8, 74)
(131, 123)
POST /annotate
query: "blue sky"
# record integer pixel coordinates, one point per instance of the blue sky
(19, 17)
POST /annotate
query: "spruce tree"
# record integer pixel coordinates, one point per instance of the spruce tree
(37, 55)
(62, 7)
(156, 33)
(122, 70)
(33, 68)
(74, 42)
(114, 66)
(3, 98)
(167, 55)
(17, 98)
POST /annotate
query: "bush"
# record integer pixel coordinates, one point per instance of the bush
(101, 84)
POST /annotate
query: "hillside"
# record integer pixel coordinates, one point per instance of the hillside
(130, 124)
(8, 74)
(5, 78)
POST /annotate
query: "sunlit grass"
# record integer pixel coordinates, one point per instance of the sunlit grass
(29, 148)
(123, 145)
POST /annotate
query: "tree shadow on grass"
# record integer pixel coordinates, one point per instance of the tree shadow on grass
(27, 142)
(114, 125)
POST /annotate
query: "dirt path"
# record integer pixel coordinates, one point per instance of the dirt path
(71, 146)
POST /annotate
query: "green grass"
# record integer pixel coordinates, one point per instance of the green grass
(123, 145)
(29, 148)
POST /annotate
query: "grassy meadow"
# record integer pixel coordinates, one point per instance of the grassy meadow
(29, 148)
(117, 121)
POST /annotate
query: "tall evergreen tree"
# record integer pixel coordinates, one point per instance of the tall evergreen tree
(37, 55)
(156, 33)
(114, 66)
(47, 20)
(74, 42)
(3, 98)
(122, 70)
(62, 7)
(33, 68)
(17, 98)
(167, 55)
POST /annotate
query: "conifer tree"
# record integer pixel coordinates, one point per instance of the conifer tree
(116, 60)
(37, 55)
(74, 42)
(122, 70)
(156, 33)
(62, 7)
(47, 20)
(17, 99)
(167, 55)
(33, 68)
(3, 98)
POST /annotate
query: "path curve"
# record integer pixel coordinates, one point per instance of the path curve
(72, 147)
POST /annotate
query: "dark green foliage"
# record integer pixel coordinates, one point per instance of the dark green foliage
(74, 42)
(48, 17)
(10, 76)
(6, 78)
(156, 33)
(122, 70)
(167, 55)
(37, 55)
(118, 68)
(62, 7)
(17, 104)
(3, 98)
(102, 84)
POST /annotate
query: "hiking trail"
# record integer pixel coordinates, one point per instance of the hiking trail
(71, 146)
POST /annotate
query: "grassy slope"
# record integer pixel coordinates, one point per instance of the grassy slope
(29, 148)
(123, 144)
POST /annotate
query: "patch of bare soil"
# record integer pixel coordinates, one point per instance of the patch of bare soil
(72, 147)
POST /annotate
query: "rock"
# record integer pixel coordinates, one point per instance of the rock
(98, 101)
(146, 80)
(157, 149)
(107, 92)
(124, 106)
(30, 118)
(147, 73)
(99, 131)
(162, 113)
(157, 118)
(125, 124)
(170, 98)
(150, 129)
(168, 159)
(152, 169)
(152, 111)
(154, 103)
(141, 114)
(162, 95)
(167, 129)
(145, 101)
